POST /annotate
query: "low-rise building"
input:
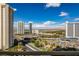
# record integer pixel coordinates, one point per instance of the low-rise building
(35, 31)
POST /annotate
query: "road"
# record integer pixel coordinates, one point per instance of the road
(30, 48)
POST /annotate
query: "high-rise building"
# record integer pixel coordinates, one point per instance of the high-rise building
(30, 27)
(6, 26)
(20, 27)
(72, 29)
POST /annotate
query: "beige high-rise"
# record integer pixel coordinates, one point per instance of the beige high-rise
(6, 26)
(20, 27)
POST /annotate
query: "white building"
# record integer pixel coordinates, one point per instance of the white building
(6, 26)
(35, 32)
(72, 29)
(20, 27)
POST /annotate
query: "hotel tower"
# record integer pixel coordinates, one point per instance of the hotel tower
(20, 27)
(30, 27)
(72, 29)
(6, 26)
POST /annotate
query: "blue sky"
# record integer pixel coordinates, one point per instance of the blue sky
(45, 15)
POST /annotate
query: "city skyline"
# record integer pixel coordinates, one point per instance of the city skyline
(45, 15)
(18, 39)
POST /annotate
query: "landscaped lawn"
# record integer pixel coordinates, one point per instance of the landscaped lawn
(43, 45)
(16, 48)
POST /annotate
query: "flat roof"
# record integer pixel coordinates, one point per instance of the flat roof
(72, 22)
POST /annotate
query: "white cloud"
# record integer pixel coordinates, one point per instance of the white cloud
(30, 22)
(14, 9)
(76, 19)
(53, 5)
(14, 24)
(62, 24)
(44, 25)
(35, 26)
(26, 26)
(49, 22)
(63, 14)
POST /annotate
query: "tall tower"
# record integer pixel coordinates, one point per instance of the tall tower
(20, 27)
(30, 27)
(72, 29)
(6, 26)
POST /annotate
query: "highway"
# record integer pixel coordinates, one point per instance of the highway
(30, 48)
